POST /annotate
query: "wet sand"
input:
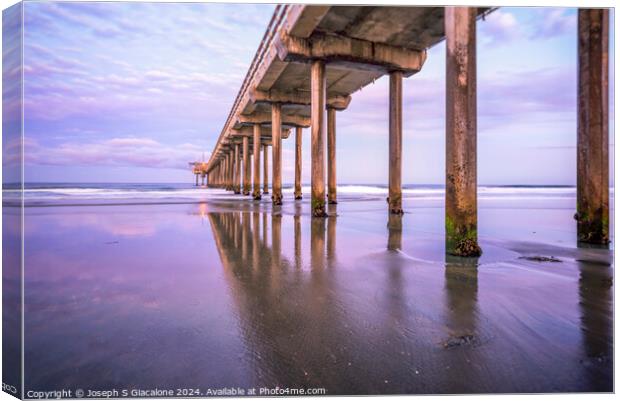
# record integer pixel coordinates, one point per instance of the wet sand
(239, 294)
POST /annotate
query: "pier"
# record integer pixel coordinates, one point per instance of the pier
(312, 59)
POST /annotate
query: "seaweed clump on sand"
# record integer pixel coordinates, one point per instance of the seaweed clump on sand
(551, 259)
(467, 247)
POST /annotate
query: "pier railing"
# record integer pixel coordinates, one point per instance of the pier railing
(274, 26)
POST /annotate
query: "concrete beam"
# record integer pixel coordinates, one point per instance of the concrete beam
(302, 20)
(298, 98)
(334, 49)
(265, 118)
(248, 130)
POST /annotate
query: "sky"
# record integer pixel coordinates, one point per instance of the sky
(132, 92)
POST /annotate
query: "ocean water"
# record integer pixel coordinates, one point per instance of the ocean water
(41, 194)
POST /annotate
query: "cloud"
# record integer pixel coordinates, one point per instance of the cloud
(128, 152)
(501, 26)
(554, 22)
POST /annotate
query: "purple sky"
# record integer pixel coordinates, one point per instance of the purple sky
(131, 92)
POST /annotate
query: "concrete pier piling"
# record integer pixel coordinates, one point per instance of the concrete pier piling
(331, 156)
(229, 172)
(395, 142)
(298, 139)
(593, 127)
(246, 165)
(318, 95)
(265, 170)
(225, 172)
(276, 152)
(256, 158)
(231, 169)
(237, 180)
(461, 181)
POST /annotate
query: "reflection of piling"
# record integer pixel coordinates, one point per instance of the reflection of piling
(317, 243)
(297, 229)
(265, 228)
(331, 238)
(461, 288)
(236, 229)
(276, 238)
(245, 235)
(596, 303)
(255, 239)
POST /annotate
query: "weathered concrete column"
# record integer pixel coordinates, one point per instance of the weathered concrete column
(298, 139)
(331, 156)
(593, 127)
(318, 97)
(256, 194)
(395, 232)
(231, 170)
(265, 170)
(395, 203)
(461, 170)
(237, 184)
(246, 165)
(228, 181)
(223, 172)
(276, 152)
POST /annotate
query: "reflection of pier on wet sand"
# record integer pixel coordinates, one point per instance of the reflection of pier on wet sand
(230, 293)
(314, 314)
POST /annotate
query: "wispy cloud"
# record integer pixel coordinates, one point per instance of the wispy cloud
(129, 151)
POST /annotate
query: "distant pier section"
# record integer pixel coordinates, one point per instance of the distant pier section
(199, 169)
